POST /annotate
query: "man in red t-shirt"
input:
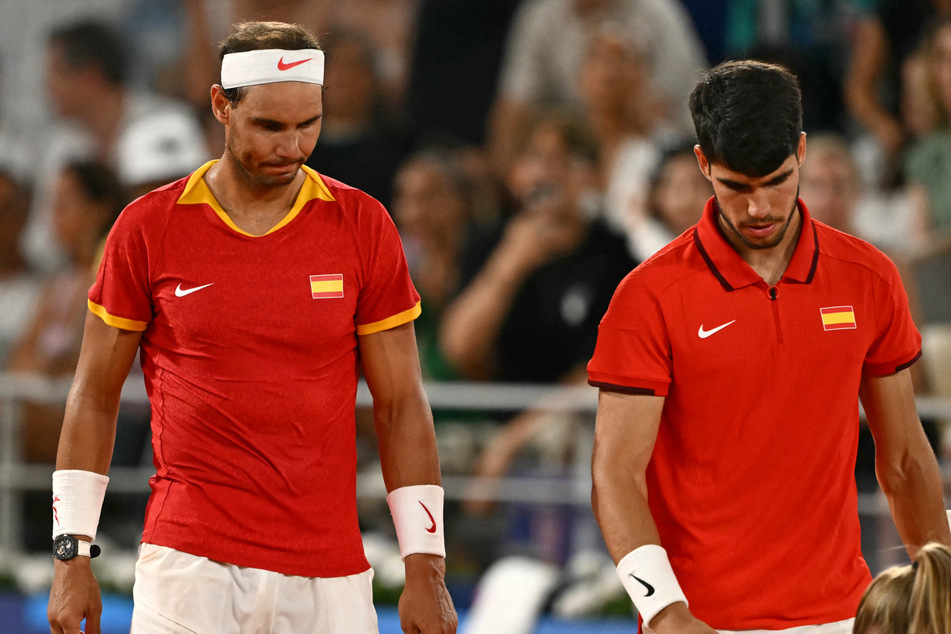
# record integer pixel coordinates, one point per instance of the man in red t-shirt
(730, 367)
(252, 288)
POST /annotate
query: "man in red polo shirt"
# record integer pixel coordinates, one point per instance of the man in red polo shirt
(730, 367)
(255, 290)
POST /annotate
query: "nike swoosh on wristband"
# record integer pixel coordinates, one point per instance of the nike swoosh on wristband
(180, 292)
(649, 587)
(431, 529)
(281, 65)
(703, 334)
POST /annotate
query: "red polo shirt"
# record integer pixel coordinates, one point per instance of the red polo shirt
(751, 482)
(249, 350)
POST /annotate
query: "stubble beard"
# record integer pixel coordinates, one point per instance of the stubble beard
(758, 245)
(256, 179)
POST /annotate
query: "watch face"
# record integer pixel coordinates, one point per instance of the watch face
(65, 547)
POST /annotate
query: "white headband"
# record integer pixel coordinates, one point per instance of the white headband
(268, 66)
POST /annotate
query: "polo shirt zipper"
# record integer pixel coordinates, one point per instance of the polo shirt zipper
(773, 293)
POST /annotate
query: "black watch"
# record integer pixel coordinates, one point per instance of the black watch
(66, 547)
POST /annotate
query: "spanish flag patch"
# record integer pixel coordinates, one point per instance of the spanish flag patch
(326, 286)
(837, 318)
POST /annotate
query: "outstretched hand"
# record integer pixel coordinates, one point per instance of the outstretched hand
(74, 596)
(425, 606)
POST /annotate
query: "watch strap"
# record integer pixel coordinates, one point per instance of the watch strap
(86, 549)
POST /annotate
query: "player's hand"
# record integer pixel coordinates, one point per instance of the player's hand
(425, 606)
(677, 619)
(74, 596)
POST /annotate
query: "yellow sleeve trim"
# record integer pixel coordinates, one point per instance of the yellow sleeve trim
(391, 322)
(116, 322)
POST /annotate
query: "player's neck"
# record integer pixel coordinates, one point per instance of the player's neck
(253, 207)
(771, 263)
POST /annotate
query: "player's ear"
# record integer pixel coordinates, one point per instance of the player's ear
(801, 149)
(703, 162)
(220, 105)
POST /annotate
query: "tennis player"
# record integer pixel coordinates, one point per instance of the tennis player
(730, 367)
(251, 288)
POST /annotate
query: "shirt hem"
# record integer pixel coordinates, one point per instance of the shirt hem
(295, 569)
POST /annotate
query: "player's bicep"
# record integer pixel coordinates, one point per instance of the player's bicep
(105, 359)
(625, 432)
(89, 426)
(390, 363)
(889, 403)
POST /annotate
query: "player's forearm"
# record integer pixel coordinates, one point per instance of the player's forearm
(407, 442)
(621, 510)
(914, 490)
(88, 434)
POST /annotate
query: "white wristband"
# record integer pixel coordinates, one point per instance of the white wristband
(77, 502)
(417, 515)
(648, 578)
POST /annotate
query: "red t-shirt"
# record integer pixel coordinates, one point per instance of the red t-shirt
(249, 352)
(751, 482)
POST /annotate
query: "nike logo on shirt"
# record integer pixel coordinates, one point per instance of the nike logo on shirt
(182, 292)
(703, 334)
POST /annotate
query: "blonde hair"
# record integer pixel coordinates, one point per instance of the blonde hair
(914, 599)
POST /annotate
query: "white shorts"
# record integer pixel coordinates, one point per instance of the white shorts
(839, 627)
(175, 592)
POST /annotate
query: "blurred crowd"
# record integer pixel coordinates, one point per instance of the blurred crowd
(531, 153)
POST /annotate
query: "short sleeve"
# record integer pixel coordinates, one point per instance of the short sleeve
(632, 354)
(121, 294)
(387, 298)
(897, 344)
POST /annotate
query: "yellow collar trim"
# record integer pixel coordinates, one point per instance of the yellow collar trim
(196, 192)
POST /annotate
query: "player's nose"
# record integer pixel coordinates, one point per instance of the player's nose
(757, 205)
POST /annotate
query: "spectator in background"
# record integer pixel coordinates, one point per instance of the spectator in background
(18, 284)
(831, 183)
(153, 152)
(885, 38)
(87, 199)
(928, 162)
(831, 180)
(616, 91)
(920, 110)
(914, 599)
(531, 311)
(432, 207)
(545, 50)
(677, 193)
(94, 109)
(359, 143)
